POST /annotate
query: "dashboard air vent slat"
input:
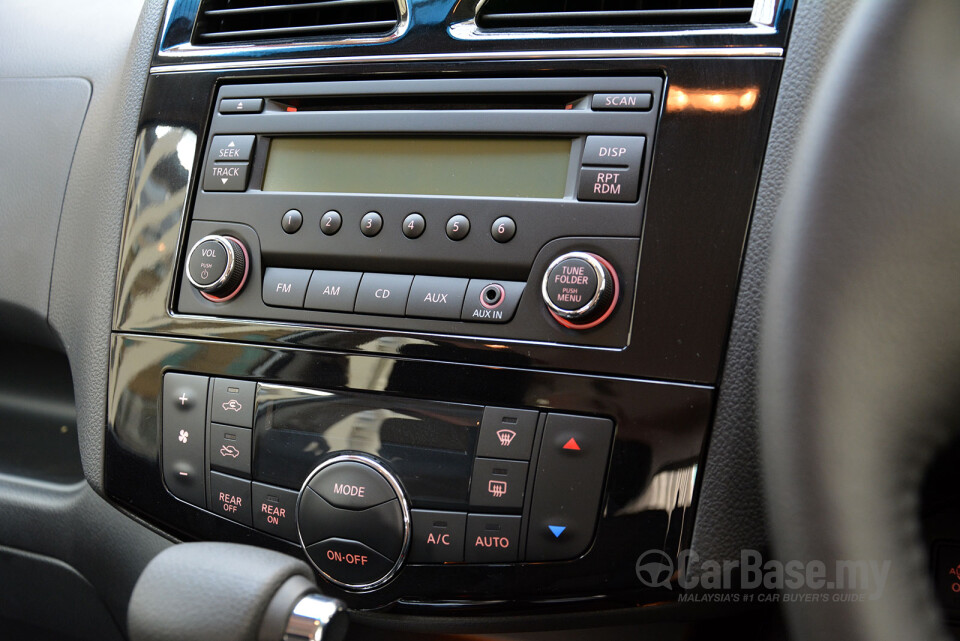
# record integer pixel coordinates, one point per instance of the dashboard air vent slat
(526, 14)
(228, 21)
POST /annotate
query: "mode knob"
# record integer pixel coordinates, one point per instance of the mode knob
(580, 290)
(217, 266)
(354, 521)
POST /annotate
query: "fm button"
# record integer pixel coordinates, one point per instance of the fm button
(580, 290)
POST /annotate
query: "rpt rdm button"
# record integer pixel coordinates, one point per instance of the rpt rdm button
(609, 184)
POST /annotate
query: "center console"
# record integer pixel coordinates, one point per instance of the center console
(448, 329)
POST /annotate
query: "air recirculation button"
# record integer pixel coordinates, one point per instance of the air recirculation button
(354, 522)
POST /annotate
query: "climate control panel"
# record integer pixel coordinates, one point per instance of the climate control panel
(368, 483)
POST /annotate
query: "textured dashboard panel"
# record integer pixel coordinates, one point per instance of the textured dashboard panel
(34, 165)
(731, 513)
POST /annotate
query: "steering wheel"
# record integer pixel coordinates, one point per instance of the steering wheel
(860, 348)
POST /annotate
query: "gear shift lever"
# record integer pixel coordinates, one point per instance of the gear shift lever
(202, 591)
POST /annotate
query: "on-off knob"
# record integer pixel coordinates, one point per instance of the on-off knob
(580, 290)
(217, 266)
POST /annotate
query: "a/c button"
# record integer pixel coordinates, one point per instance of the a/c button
(437, 537)
(384, 294)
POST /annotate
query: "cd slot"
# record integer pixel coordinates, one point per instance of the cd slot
(431, 102)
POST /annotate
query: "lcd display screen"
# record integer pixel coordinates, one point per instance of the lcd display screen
(478, 166)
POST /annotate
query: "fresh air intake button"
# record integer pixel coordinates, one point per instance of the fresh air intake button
(241, 105)
(332, 291)
(436, 297)
(492, 538)
(383, 294)
(507, 433)
(352, 486)
(491, 301)
(231, 147)
(230, 449)
(622, 101)
(285, 287)
(437, 536)
(225, 176)
(609, 184)
(498, 484)
(618, 151)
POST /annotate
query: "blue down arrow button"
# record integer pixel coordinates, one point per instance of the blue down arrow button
(557, 530)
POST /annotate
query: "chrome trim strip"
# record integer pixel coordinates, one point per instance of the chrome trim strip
(188, 50)
(691, 52)
(762, 23)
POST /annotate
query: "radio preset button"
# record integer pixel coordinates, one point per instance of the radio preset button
(458, 227)
(330, 222)
(622, 101)
(291, 221)
(235, 148)
(332, 291)
(383, 294)
(413, 225)
(491, 301)
(436, 297)
(609, 184)
(620, 151)
(437, 537)
(225, 176)
(241, 105)
(371, 223)
(492, 538)
(285, 287)
(503, 229)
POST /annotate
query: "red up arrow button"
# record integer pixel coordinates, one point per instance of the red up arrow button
(571, 445)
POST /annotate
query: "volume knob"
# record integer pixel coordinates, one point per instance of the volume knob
(217, 266)
(580, 290)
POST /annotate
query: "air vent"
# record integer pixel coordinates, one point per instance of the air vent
(229, 21)
(526, 14)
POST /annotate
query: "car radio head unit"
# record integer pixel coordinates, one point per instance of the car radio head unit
(502, 208)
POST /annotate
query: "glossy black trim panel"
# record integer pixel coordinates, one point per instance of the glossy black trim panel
(660, 429)
(703, 176)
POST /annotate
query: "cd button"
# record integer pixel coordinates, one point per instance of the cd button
(436, 297)
(383, 294)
